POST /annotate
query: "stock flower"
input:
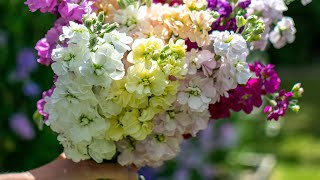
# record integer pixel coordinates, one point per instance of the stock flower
(200, 59)
(283, 33)
(86, 125)
(145, 51)
(268, 76)
(44, 6)
(130, 17)
(172, 59)
(192, 94)
(145, 82)
(101, 149)
(133, 127)
(118, 40)
(201, 22)
(115, 131)
(232, 46)
(76, 152)
(280, 107)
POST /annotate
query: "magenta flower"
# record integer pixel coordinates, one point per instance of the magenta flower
(71, 11)
(270, 79)
(246, 97)
(44, 52)
(280, 107)
(43, 5)
(41, 103)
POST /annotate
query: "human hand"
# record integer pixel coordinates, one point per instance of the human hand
(65, 169)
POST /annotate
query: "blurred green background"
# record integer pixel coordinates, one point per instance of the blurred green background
(241, 146)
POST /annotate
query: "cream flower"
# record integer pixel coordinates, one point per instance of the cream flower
(201, 22)
(145, 82)
(192, 94)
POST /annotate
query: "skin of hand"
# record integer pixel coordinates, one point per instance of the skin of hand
(65, 169)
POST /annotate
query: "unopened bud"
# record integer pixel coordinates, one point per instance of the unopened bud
(101, 17)
(295, 108)
(241, 21)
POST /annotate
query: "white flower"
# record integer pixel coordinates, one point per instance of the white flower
(87, 125)
(130, 17)
(75, 33)
(232, 46)
(68, 59)
(103, 67)
(76, 152)
(305, 2)
(225, 77)
(283, 33)
(118, 40)
(271, 10)
(242, 72)
(101, 149)
(192, 94)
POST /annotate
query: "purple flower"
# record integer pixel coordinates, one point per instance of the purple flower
(212, 4)
(281, 106)
(41, 103)
(182, 174)
(224, 8)
(228, 136)
(31, 89)
(43, 5)
(270, 79)
(244, 3)
(21, 125)
(26, 60)
(208, 171)
(206, 138)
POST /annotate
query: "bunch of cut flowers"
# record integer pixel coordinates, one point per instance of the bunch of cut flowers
(134, 78)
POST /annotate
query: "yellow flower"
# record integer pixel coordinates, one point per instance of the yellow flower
(122, 97)
(172, 59)
(147, 114)
(133, 127)
(145, 82)
(166, 100)
(145, 51)
(196, 4)
(115, 131)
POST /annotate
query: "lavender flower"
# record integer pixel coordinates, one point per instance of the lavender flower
(21, 125)
(31, 89)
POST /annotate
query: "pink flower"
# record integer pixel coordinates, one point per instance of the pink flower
(71, 11)
(43, 5)
(44, 52)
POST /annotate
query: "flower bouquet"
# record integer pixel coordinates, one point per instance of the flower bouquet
(134, 78)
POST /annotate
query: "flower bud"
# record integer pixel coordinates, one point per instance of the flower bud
(295, 108)
(101, 17)
(241, 21)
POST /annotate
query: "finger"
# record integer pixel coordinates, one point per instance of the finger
(62, 156)
(112, 171)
